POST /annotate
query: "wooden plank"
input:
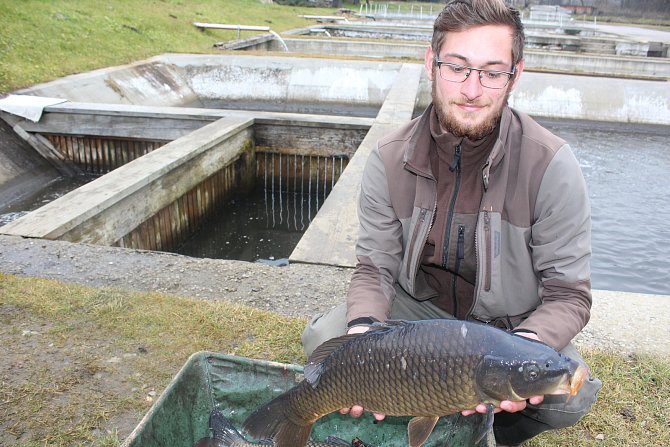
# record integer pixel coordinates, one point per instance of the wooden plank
(46, 150)
(106, 209)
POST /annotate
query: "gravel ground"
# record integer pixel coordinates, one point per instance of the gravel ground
(621, 321)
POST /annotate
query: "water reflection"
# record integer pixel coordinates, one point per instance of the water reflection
(268, 223)
(48, 193)
(265, 224)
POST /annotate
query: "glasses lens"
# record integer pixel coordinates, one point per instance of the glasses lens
(494, 79)
(453, 73)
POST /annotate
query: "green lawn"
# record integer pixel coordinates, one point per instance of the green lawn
(41, 40)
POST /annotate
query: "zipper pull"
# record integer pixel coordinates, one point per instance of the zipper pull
(485, 175)
(456, 163)
(460, 248)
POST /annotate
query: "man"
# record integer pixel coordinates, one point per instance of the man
(474, 211)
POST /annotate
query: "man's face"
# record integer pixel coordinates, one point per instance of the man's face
(467, 109)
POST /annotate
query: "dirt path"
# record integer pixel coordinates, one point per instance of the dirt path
(620, 321)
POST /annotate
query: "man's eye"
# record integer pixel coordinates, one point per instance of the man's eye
(493, 74)
(457, 68)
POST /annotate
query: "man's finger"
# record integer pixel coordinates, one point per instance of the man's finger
(356, 411)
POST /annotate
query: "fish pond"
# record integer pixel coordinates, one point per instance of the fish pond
(626, 169)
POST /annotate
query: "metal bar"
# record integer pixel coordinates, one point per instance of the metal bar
(328, 18)
(231, 27)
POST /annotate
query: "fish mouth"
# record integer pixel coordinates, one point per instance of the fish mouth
(578, 379)
(572, 383)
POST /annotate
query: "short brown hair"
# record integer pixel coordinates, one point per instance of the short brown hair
(459, 15)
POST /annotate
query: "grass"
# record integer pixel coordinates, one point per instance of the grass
(41, 40)
(110, 354)
(632, 407)
(79, 362)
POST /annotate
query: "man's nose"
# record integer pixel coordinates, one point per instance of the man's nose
(471, 88)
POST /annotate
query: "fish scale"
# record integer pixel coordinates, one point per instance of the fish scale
(424, 369)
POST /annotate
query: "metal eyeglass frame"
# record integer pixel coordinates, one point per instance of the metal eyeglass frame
(481, 71)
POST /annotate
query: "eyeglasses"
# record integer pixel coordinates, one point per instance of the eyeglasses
(459, 73)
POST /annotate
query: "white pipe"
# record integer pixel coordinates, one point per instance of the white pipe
(280, 39)
(241, 28)
(233, 27)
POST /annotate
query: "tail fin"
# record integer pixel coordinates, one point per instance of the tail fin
(223, 431)
(276, 420)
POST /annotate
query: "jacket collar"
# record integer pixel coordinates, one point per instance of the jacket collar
(499, 147)
(417, 148)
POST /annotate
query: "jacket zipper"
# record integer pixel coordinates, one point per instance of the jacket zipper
(455, 166)
(460, 255)
(489, 254)
(417, 241)
(413, 240)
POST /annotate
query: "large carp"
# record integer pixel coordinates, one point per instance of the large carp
(425, 369)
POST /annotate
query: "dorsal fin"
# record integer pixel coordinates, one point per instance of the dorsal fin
(390, 323)
(314, 366)
(313, 373)
(328, 346)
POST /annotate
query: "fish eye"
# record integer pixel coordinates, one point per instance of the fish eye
(531, 372)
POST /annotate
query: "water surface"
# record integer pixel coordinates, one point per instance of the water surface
(627, 171)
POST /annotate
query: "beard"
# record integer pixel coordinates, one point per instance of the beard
(458, 128)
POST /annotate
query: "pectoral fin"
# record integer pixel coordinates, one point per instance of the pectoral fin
(419, 429)
(488, 423)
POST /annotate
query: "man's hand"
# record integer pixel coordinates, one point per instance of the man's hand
(510, 406)
(358, 329)
(356, 411)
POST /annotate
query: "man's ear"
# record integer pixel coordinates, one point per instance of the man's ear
(517, 73)
(429, 62)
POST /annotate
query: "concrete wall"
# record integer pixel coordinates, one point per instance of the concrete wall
(584, 98)
(150, 83)
(107, 209)
(624, 66)
(596, 99)
(330, 237)
(274, 79)
(171, 80)
(593, 64)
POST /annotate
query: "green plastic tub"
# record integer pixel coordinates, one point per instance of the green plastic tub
(238, 385)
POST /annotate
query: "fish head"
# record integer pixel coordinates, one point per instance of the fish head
(534, 371)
